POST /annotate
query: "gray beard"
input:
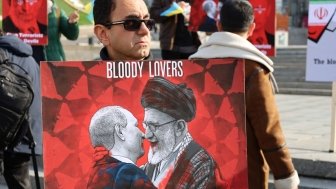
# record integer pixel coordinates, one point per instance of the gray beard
(164, 150)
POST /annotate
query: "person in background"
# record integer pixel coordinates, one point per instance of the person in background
(123, 27)
(176, 41)
(16, 160)
(209, 23)
(58, 24)
(266, 145)
(116, 129)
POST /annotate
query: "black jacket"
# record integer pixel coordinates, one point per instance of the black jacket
(21, 54)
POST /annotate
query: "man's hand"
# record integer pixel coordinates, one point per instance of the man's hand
(73, 17)
(182, 4)
(291, 182)
(186, 7)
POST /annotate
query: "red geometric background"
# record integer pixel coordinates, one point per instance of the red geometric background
(73, 91)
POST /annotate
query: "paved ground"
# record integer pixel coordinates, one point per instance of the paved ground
(306, 121)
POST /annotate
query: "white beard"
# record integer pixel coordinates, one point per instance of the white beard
(164, 149)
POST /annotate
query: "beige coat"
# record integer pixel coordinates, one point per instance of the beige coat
(265, 140)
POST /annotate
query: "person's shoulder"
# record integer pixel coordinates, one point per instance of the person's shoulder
(9, 26)
(198, 152)
(252, 66)
(134, 176)
(129, 167)
(7, 20)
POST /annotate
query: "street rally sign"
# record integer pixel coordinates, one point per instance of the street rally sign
(321, 56)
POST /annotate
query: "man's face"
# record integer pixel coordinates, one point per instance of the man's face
(162, 138)
(133, 136)
(128, 45)
(25, 10)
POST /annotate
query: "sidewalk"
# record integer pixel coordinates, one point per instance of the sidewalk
(306, 122)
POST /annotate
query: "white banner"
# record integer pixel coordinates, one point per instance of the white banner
(321, 45)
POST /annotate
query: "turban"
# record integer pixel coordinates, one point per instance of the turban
(175, 100)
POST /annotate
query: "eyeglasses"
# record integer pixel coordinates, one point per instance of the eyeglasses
(153, 127)
(133, 24)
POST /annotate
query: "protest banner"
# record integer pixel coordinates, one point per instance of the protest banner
(73, 91)
(27, 20)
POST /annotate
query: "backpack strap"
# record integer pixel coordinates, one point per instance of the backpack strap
(32, 147)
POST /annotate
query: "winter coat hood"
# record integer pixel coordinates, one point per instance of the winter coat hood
(14, 45)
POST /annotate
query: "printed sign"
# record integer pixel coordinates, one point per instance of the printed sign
(321, 57)
(26, 19)
(264, 32)
(205, 13)
(191, 114)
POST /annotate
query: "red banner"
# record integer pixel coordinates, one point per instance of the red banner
(26, 19)
(73, 91)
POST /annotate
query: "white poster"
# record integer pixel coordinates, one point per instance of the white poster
(321, 45)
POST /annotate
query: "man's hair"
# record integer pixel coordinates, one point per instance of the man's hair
(102, 10)
(102, 126)
(236, 15)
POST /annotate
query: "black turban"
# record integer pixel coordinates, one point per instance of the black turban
(175, 100)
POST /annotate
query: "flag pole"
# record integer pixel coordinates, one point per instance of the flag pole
(333, 119)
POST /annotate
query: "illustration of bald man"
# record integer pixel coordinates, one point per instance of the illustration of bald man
(116, 129)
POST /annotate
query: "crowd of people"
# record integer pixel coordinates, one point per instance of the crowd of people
(123, 27)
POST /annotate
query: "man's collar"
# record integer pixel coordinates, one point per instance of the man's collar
(122, 159)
